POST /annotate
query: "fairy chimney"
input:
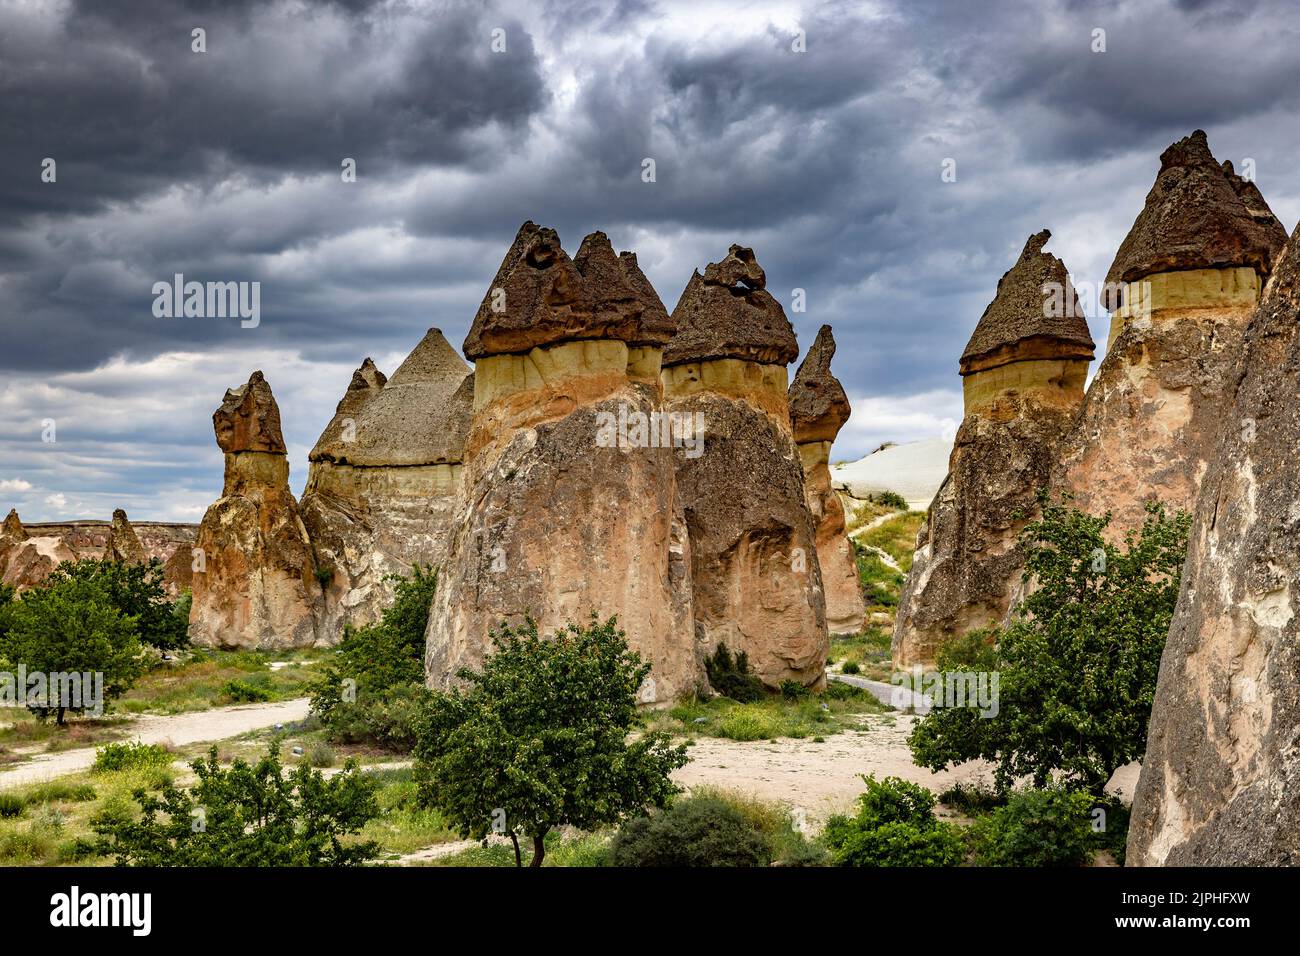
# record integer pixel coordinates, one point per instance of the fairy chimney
(123, 543)
(1220, 782)
(254, 582)
(818, 410)
(753, 541)
(1023, 373)
(568, 493)
(1183, 286)
(382, 479)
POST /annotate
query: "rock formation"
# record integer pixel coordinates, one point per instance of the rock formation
(381, 487)
(756, 580)
(254, 584)
(569, 503)
(1183, 286)
(123, 543)
(818, 409)
(1023, 373)
(1220, 781)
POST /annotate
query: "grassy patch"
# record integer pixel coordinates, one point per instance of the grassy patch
(402, 825)
(817, 715)
(866, 654)
(896, 537)
(208, 678)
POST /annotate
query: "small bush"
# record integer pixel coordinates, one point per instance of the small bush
(731, 676)
(894, 826)
(240, 691)
(701, 830)
(11, 805)
(793, 690)
(889, 499)
(1047, 827)
(851, 667)
(387, 719)
(54, 790)
(319, 754)
(744, 724)
(129, 756)
(972, 799)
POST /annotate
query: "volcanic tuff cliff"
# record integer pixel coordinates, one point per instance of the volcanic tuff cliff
(1022, 376)
(757, 584)
(1220, 781)
(818, 410)
(560, 519)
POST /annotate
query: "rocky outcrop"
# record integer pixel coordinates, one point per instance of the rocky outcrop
(1023, 373)
(757, 584)
(123, 543)
(25, 561)
(818, 410)
(254, 578)
(381, 489)
(569, 504)
(1183, 285)
(1220, 781)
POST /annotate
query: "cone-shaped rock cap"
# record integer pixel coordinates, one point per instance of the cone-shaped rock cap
(408, 420)
(728, 313)
(249, 419)
(123, 543)
(818, 405)
(366, 382)
(542, 297)
(1035, 315)
(1198, 215)
(13, 526)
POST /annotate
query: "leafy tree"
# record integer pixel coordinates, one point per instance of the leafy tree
(136, 590)
(371, 692)
(72, 626)
(540, 738)
(1078, 664)
(248, 815)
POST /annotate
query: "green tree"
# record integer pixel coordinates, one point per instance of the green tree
(894, 826)
(71, 626)
(543, 736)
(137, 591)
(1078, 663)
(248, 815)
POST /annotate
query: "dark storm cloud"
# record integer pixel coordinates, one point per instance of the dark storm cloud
(225, 166)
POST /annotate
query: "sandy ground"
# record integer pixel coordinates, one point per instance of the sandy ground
(177, 729)
(820, 779)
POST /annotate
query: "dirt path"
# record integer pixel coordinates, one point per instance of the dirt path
(178, 729)
(821, 779)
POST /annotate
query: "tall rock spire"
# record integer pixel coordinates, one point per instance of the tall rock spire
(818, 410)
(1022, 377)
(123, 543)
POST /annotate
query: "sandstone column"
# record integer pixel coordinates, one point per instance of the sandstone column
(818, 410)
(257, 586)
(569, 497)
(1220, 781)
(1183, 286)
(757, 583)
(123, 543)
(1023, 373)
(381, 488)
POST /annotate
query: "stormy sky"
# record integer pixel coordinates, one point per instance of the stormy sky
(815, 132)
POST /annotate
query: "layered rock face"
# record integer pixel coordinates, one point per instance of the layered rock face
(29, 553)
(254, 582)
(818, 410)
(381, 489)
(1023, 373)
(1183, 286)
(753, 542)
(569, 504)
(1220, 781)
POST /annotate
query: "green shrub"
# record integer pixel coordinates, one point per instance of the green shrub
(1047, 827)
(793, 690)
(889, 499)
(731, 676)
(894, 826)
(242, 691)
(54, 790)
(744, 724)
(972, 799)
(11, 805)
(129, 756)
(387, 719)
(702, 830)
(851, 667)
(251, 815)
(319, 754)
